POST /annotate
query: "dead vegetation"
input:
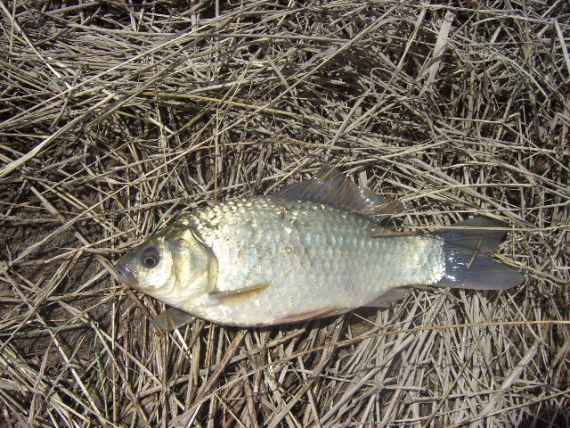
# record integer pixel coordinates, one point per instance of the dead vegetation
(117, 114)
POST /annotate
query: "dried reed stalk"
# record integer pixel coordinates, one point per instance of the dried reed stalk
(115, 115)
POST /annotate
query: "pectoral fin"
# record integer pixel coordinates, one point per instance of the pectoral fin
(232, 297)
(172, 318)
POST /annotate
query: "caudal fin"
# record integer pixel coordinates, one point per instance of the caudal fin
(466, 246)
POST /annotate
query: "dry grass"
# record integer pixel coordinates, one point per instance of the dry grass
(117, 114)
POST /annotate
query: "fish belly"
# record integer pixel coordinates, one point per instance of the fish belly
(302, 259)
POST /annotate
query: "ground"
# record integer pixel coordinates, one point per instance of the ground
(116, 116)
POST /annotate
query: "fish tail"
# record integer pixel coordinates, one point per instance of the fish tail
(467, 265)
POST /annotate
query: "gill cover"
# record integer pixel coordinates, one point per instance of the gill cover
(172, 265)
(195, 266)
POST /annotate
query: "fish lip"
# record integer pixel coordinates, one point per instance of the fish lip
(125, 273)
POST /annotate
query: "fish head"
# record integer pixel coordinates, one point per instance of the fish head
(172, 265)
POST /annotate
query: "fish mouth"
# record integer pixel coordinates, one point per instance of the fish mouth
(125, 274)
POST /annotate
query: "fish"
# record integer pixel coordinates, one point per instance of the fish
(314, 249)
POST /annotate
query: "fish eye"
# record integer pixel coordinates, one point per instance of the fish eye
(150, 257)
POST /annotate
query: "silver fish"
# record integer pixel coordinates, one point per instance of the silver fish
(312, 250)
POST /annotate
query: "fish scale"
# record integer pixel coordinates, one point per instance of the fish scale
(309, 255)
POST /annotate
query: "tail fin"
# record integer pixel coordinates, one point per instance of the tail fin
(466, 265)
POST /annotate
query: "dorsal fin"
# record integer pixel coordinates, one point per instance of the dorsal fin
(331, 187)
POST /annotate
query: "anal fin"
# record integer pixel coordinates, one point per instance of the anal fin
(388, 299)
(311, 314)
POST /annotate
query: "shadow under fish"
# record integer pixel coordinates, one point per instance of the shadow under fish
(315, 249)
